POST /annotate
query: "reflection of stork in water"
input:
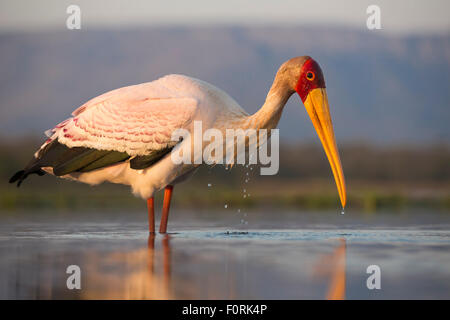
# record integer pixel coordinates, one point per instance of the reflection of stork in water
(166, 258)
(125, 135)
(137, 274)
(333, 266)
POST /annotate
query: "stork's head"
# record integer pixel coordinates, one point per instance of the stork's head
(304, 76)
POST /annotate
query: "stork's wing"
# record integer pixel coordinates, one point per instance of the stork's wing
(135, 121)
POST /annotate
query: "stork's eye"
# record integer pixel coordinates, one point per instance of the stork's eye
(310, 75)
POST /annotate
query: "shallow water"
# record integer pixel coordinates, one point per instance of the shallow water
(211, 255)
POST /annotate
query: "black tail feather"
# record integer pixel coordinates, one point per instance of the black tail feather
(21, 175)
(18, 175)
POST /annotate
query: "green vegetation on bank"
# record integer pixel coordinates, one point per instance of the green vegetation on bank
(377, 178)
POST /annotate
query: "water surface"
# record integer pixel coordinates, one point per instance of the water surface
(221, 255)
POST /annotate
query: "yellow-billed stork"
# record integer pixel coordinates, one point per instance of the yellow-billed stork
(124, 136)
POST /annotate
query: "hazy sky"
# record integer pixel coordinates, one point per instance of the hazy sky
(397, 16)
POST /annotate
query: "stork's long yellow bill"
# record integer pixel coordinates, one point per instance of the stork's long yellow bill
(316, 105)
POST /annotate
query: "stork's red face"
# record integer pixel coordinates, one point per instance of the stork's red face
(311, 89)
(311, 77)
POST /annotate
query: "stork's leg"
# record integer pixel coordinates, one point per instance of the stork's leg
(166, 207)
(151, 215)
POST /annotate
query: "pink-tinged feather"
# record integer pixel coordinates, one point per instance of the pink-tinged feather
(135, 119)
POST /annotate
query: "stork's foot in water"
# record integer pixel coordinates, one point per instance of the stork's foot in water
(166, 206)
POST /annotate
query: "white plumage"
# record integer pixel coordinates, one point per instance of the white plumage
(139, 119)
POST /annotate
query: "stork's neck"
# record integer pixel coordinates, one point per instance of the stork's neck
(269, 114)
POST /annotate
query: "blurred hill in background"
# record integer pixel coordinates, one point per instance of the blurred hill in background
(382, 89)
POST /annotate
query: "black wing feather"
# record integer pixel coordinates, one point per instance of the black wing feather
(65, 160)
(142, 162)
